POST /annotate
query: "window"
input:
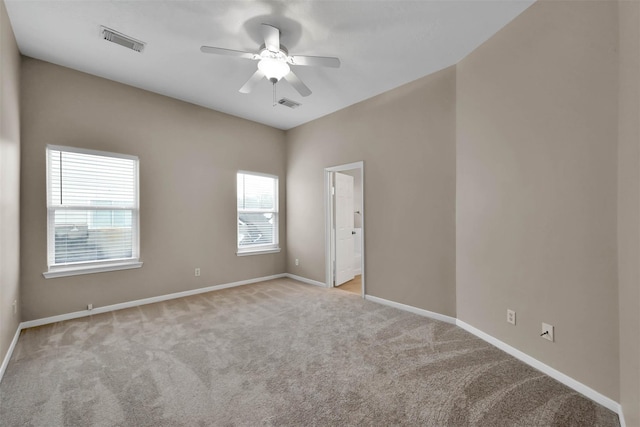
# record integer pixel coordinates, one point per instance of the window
(92, 211)
(257, 213)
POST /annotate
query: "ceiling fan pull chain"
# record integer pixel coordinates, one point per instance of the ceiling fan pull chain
(274, 95)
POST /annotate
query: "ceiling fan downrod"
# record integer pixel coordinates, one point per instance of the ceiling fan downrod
(274, 94)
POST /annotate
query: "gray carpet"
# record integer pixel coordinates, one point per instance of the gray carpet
(276, 353)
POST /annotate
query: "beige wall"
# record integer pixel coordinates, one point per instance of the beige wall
(9, 181)
(536, 187)
(629, 210)
(188, 161)
(406, 138)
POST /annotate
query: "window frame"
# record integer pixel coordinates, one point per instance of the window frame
(88, 267)
(260, 248)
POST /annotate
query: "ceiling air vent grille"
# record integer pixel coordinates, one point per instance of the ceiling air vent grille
(119, 38)
(288, 103)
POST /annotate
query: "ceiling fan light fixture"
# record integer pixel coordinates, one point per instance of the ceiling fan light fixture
(273, 69)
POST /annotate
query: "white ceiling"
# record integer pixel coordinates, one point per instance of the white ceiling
(381, 44)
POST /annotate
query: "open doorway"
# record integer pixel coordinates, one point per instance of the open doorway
(344, 227)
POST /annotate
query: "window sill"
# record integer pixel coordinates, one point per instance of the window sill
(76, 271)
(258, 251)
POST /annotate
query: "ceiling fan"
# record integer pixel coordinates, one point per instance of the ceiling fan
(274, 61)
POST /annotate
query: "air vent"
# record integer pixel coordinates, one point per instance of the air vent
(119, 38)
(288, 103)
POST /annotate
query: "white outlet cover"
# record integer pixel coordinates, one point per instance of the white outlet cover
(546, 327)
(511, 317)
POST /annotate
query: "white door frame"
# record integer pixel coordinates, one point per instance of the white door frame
(328, 223)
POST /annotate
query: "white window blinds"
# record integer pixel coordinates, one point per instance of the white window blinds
(257, 212)
(92, 207)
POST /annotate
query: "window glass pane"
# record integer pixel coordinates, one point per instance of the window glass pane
(121, 218)
(258, 192)
(100, 219)
(256, 229)
(109, 218)
(79, 238)
(79, 179)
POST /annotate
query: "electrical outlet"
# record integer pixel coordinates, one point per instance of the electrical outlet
(547, 332)
(15, 306)
(511, 316)
(89, 306)
(197, 272)
(297, 261)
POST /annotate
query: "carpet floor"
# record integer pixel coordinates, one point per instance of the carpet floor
(276, 353)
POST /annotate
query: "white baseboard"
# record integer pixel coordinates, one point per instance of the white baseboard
(411, 309)
(305, 280)
(621, 417)
(553, 373)
(7, 356)
(559, 376)
(135, 303)
(120, 306)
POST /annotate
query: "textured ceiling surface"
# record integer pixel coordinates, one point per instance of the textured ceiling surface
(381, 44)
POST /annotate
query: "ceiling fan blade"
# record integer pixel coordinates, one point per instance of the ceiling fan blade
(318, 61)
(271, 37)
(228, 52)
(297, 84)
(252, 82)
